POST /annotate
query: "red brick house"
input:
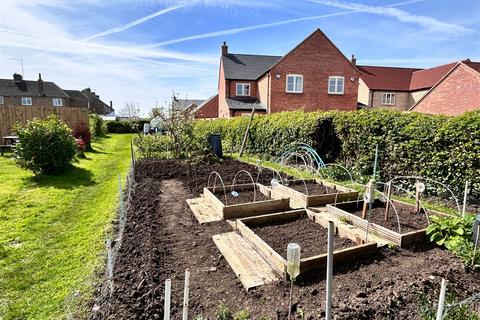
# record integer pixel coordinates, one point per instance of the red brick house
(450, 89)
(314, 75)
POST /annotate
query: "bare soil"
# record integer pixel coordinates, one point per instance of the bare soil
(409, 219)
(311, 237)
(162, 239)
(312, 188)
(244, 196)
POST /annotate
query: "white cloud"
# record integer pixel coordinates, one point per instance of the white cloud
(400, 15)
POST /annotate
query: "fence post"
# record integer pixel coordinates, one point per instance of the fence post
(186, 292)
(166, 307)
(441, 300)
(110, 265)
(120, 196)
(328, 302)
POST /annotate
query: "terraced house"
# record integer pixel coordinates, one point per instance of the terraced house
(314, 75)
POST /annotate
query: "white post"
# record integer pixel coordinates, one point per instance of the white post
(166, 307)
(186, 292)
(465, 199)
(441, 300)
(328, 302)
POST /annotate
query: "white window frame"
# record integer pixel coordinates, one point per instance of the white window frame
(336, 91)
(26, 101)
(295, 80)
(388, 98)
(57, 102)
(1, 100)
(242, 87)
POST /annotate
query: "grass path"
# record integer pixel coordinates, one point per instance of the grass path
(52, 231)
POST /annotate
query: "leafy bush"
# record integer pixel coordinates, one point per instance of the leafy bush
(153, 146)
(82, 131)
(96, 125)
(45, 146)
(443, 148)
(126, 126)
(242, 315)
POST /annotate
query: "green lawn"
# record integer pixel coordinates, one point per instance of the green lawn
(52, 231)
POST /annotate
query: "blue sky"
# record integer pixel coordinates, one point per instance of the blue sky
(140, 51)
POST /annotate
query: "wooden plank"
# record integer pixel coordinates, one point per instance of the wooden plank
(274, 217)
(276, 261)
(246, 263)
(297, 199)
(255, 208)
(202, 211)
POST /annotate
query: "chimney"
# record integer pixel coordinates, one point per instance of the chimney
(17, 77)
(354, 60)
(111, 104)
(224, 49)
(41, 90)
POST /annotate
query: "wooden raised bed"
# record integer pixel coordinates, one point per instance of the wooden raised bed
(277, 262)
(299, 199)
(341, 211)
(248, 209)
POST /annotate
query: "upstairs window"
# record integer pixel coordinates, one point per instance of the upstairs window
(1, 100)
(57, 102)
(388, 98)
(26, 101)
(294, 83)
(243, 89)
(336, 85)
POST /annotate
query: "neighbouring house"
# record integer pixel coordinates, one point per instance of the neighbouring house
(77, 99)
(186, 105)
(22, 100)
(95, 104)
(447, 89)
(314, 75)
(208, 109)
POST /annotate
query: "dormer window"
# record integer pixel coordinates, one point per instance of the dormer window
(294, 83)
(336, 85)
(243, 89)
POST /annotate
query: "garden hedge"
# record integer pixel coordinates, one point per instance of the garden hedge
(438, 147)
(133, 126)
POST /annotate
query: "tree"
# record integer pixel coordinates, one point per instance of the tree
(131, 110)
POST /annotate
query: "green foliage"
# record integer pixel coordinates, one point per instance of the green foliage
(133, 126)
(242, 315)
(45, 146)
(224, 313)
(442, 229)
(345, 220)
(301, 313)
(428, 308)
(153, 146)
(96, 126)
(443, 148)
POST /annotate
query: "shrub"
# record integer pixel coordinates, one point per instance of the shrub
(96, 126)
(82, 131)
(242, 315)
(224, 313)
(45, 146)
(153, 146)
(134, 126)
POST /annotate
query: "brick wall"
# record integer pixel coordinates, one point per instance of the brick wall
(223, 111)
(459, 92)
(316, 59)
(209, 110)
(233, 88)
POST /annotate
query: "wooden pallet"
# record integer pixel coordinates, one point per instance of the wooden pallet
(202, 211)
(246, 263)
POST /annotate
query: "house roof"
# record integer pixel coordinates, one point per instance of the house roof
(245, 104)
(427, 78)
(29, 88)
(75, 95)
(247, 66)
(92, 97)
(473, 65)
(387, 78)
(201, 105)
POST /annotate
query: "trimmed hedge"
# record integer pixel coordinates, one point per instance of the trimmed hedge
(438, 147)
(133, 126)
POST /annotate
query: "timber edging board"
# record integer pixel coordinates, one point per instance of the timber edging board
(277, 262)
(248, 209)
(299, 199)
(399, 239)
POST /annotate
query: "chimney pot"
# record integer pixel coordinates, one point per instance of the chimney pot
(17, 77)
(354, 60)
(224, 48)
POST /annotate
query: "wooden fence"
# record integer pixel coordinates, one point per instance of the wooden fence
(10, 115)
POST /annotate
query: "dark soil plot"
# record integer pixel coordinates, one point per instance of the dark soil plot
(314, 189)
(162, 239)
(311, 237)
(244, 196)
(409, 220)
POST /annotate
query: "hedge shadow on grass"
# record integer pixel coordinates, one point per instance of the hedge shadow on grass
(71, 179)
